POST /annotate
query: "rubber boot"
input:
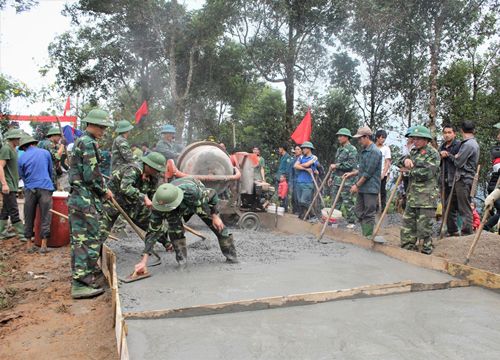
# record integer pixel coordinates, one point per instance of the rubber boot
(31, 247)
(4, 230)
(19, 226)
(80, 291)
(43, 248)
(180, 250)
(228, 250)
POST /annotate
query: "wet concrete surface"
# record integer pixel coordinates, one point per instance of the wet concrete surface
(444, 324)
(271, 264)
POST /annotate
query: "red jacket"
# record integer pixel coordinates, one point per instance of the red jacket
(476, 220)
(283, 189)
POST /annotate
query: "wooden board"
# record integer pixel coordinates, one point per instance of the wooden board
(295, 300)
(475, 276)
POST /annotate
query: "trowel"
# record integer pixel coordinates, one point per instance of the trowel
(136, 277)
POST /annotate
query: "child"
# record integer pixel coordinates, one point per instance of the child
(476, 220)
(283, 192)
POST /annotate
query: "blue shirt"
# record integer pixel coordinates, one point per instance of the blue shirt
(35, 168)
(304, 176)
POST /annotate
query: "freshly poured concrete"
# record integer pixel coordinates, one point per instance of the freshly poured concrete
(271, 265)
(445, 324)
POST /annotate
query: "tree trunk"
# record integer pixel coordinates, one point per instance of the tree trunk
(435, 46)
(290, 79)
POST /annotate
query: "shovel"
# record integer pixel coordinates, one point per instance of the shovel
(478, 234)
(331, 211)
(380, 239)
(447, 211)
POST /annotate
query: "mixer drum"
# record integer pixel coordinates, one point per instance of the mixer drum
(206, 158)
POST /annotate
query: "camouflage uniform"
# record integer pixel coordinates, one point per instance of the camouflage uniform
(197, 200)
(168, 149)
(85, 209)
(121, 154)
(129, 188)
(56, 159)
(421, 199)
(346, 160)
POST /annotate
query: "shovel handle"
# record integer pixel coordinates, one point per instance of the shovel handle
(332, 208)
(386, 209)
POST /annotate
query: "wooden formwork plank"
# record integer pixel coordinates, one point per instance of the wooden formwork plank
(295, 300)
(474, 275)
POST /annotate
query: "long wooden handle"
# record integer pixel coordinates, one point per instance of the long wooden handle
(386, 209)
(318, 193)
(137, 229)
(473, 188)
(447, 212)
(317, 189)
(478, 234)
(331, 209)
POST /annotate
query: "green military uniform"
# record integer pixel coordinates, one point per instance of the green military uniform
(85, 209)
(346, 159)
(422, 196)
(49, 145)
(190, 197)
(130, 187)
(121, 154)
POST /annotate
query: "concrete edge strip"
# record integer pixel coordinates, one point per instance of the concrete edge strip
(108, 266)
(274, 302)
(479, 277)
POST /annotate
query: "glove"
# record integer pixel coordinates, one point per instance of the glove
(491, 198)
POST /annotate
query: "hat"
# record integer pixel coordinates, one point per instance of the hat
(167, 197)
(155, 160)
(168, 129)
(421, 132)
(123, 126)
(98, 117)
(26, 140)
(409, 131)
(363, 131)
(307, 144)
(14, 134)
(53, 131)
(344, 132)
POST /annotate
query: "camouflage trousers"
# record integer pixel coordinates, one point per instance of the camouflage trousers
(139, 214)
(86, 244)
(177, 237)
(346, 199)
(417, 225)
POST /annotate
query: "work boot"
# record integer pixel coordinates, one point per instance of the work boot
(4, 230)
(31, 247)
(180, 250)
(19, 226)
(367, 230)
(228, 250)
(43, 248)
(80, 291)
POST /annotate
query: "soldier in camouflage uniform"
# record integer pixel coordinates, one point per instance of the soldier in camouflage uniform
(166, 145)
(52, 145)
(88, 190)
(346, 160)
(121, 154)
(178, 201)
(422, 165)
(134, 186)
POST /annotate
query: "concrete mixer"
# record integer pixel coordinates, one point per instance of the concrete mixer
(242, 198)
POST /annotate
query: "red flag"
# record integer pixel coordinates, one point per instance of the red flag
(143, 110)
(303, 132)
(67, 106)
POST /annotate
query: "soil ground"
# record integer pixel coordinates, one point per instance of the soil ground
(38, 318)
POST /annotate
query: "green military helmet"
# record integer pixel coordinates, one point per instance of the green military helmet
(168, 129)
(409, 131)
(123, 126)
(155, 160)
(167, 197)
(53, 131)
(307, 144)
(98, 117)
(14, 134)
(26, 140)
(344, 132)
(421, 132)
